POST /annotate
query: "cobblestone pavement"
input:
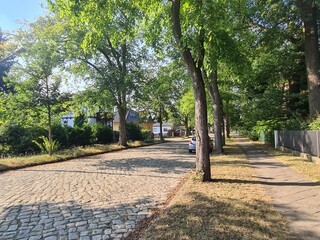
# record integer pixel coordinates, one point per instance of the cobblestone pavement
(99, 197)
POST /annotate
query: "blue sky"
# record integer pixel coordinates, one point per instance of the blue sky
(13, 10)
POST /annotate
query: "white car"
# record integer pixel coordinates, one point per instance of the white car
(193, 143)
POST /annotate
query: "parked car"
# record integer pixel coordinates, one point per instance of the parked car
(192, 145)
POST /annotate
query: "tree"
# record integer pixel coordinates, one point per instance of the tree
(186, 108)
(6, 61)
(36, 74)
(193, 65)
(105, 42)
(161, 89)
(309, 11)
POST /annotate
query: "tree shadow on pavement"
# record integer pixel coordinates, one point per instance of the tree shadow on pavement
(156, 165)
(71, 220)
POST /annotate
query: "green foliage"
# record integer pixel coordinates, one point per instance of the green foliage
(115, 136)
(134, 132)
(47, 146)
(102, 133)
(60, 134)
(266, 129)
(80, 120)
(147, 136)
(17, 139)
(80, 136)
(315, 124)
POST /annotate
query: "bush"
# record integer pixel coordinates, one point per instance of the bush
(133, 132)
(266, 128)
(80, 136)
(17, 139)
(60, 134)
(46, 146)
(315, 125)
(147, 136)
(116, 135)
(102, 134)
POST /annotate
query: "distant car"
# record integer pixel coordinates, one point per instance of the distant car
(192, 145)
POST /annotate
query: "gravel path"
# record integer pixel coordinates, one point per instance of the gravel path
(99, 197)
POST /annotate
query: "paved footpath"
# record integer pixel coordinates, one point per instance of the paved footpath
(99, 197)
(295, 196)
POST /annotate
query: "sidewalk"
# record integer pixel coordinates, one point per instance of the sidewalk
(295, 196)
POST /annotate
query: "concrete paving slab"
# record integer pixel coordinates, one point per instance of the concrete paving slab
(294, 195)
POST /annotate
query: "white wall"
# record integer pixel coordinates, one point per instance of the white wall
(165, 129)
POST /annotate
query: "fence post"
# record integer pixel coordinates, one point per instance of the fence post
(276, 138)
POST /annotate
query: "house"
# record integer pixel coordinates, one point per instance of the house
(99, 117)
(166, 127)
(132, 117)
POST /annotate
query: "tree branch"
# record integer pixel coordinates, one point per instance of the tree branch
(104, 53)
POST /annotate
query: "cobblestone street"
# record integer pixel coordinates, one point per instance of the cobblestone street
(98, 197)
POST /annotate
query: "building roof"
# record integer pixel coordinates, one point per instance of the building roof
(132, 116)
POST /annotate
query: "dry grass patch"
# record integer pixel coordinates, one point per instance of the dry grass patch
(229, 207)
(25, 161)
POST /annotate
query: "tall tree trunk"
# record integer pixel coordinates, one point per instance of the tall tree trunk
(223, 133)
(122, 105)
(217, 110)
(186, 125)
(308, 11)
(49, 130)
(49, 116)
(202, 154)
(227, 123)
(122, 126)
(160, 123)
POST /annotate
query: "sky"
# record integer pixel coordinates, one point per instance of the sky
(12, 11)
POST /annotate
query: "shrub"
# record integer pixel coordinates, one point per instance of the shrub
(102, 134)
(315, 125)
(45, 145)
(147, 135)
(17, 139)
(60, 133)
(80, 136)
(116, 136)
(133, 132)
(266, 128)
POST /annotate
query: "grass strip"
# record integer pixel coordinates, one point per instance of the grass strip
(229, 207)
(67, 154)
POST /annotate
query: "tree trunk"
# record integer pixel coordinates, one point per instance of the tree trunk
(122, 102)
(308, 11)
(186, 125)
(160, 124)
(227, 125)
(202, 153)
(217, 111)
(49, 130)
(223, 133)
(122, 126)
(49, 115)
